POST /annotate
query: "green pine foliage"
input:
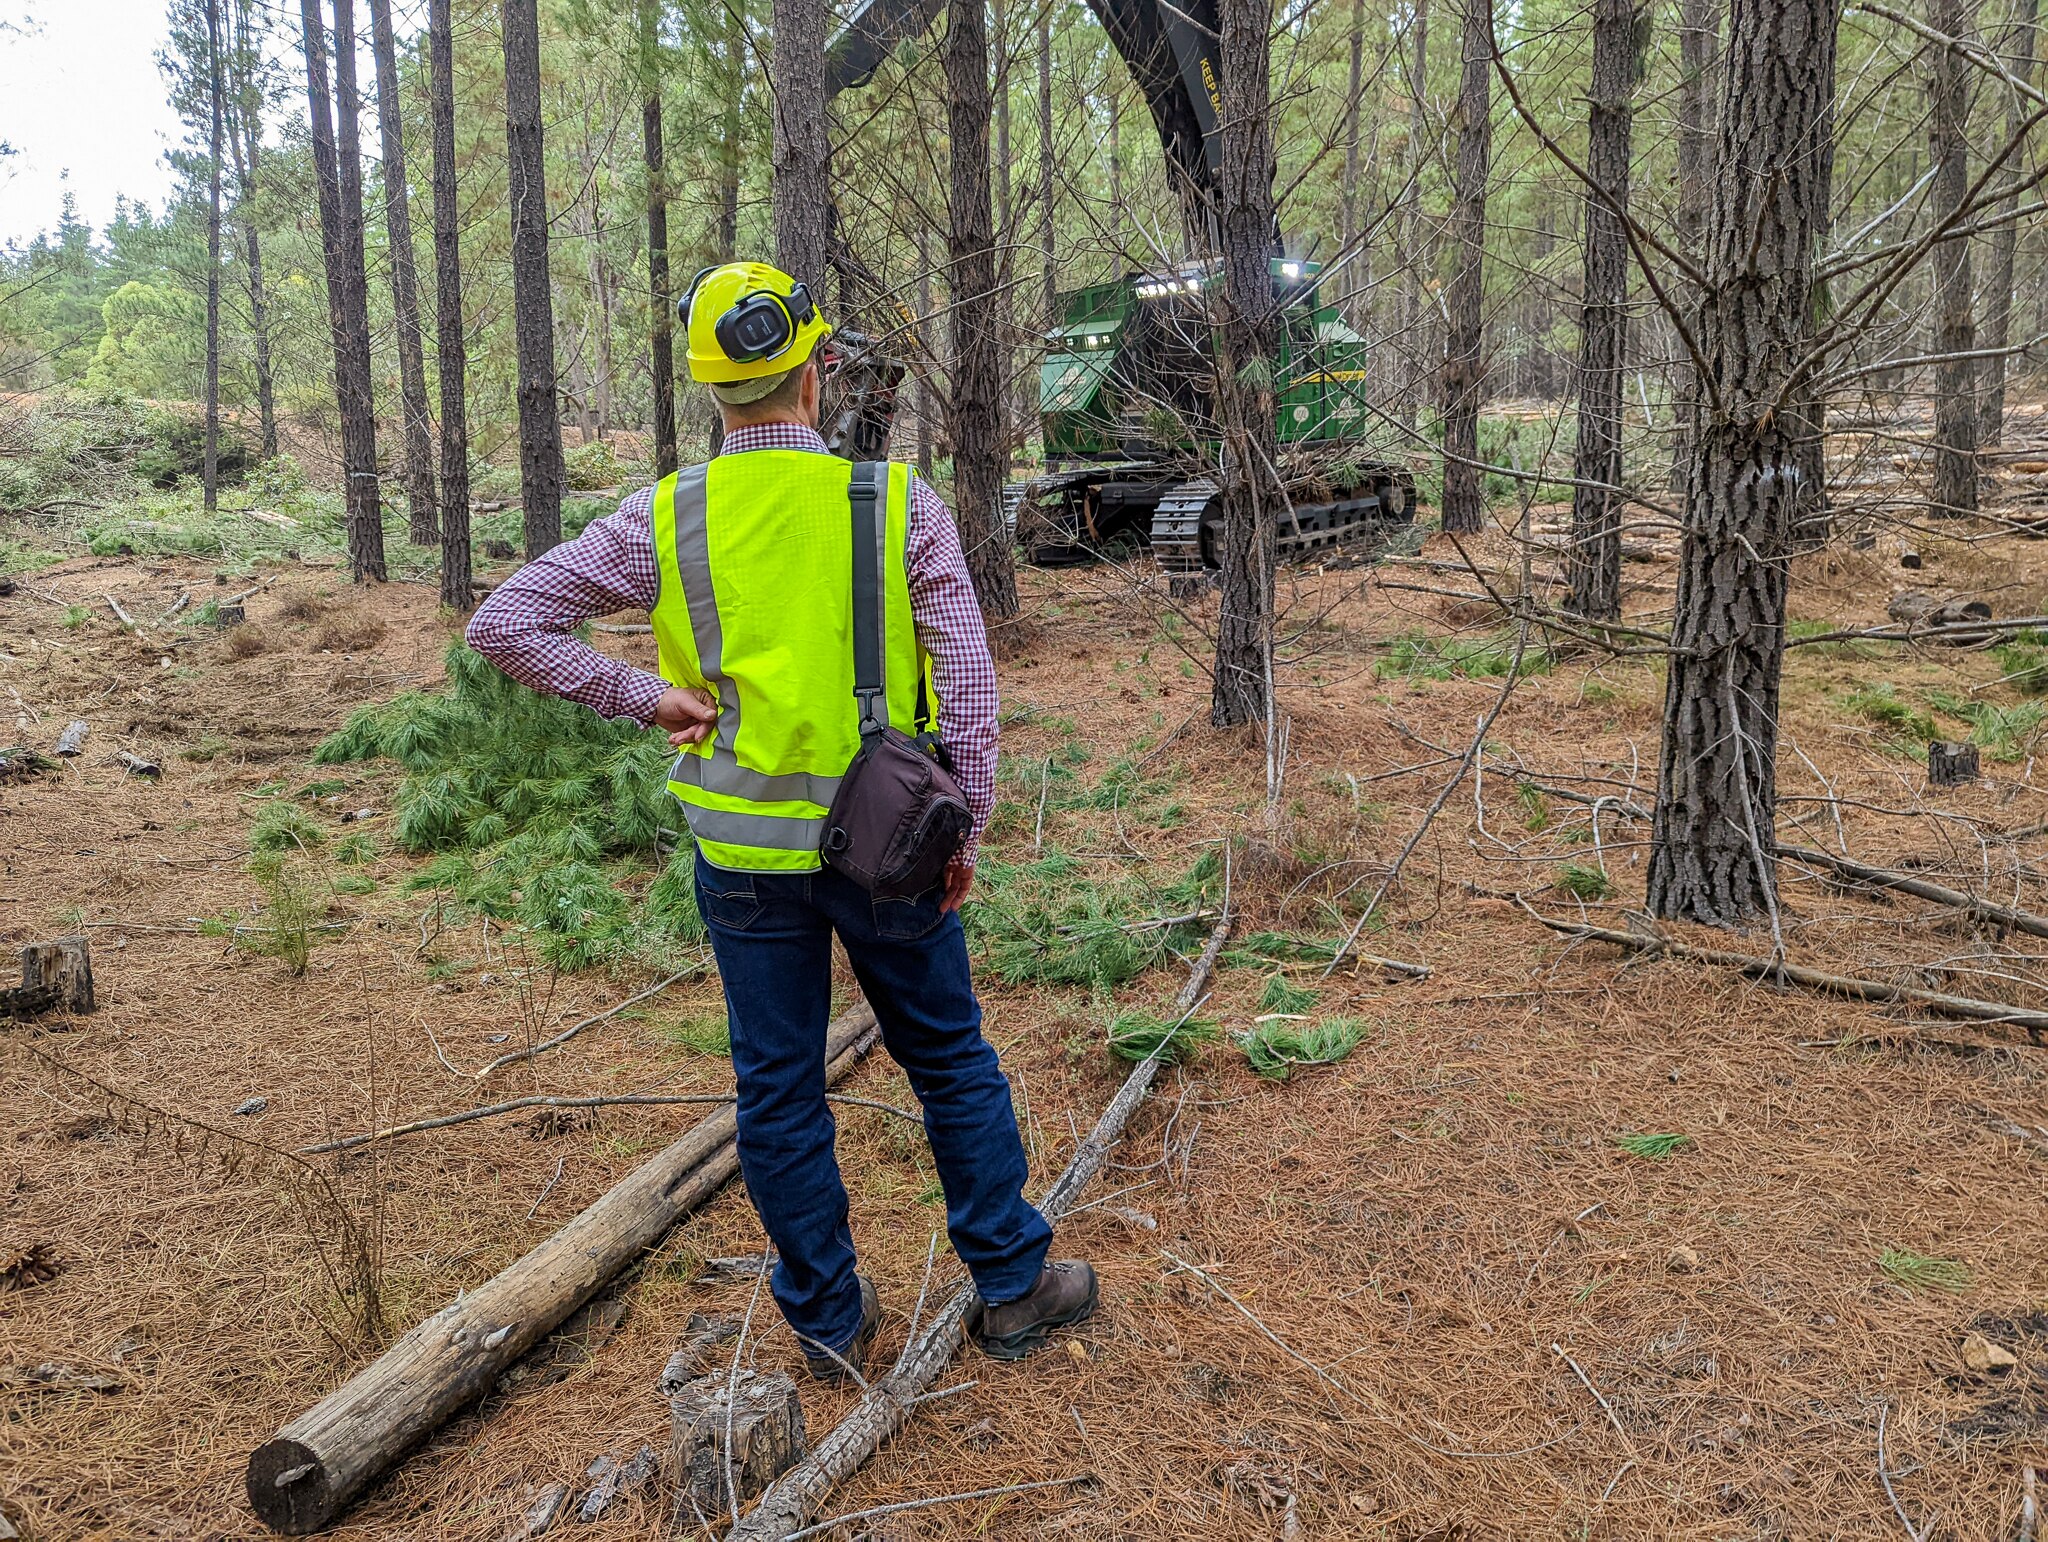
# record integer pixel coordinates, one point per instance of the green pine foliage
(1283, 995)
(1652, 1148)
(1265, 949)
(1917, 1271)
(1138, 1036)
(1276, 1047)
(535, 810)
(1046, 922)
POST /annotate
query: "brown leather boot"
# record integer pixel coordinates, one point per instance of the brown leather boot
(834, 1368)
(1065, 1294)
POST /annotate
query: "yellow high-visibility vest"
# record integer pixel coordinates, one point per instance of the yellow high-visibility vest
(755, 555)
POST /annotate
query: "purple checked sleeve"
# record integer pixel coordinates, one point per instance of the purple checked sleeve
(527, 626)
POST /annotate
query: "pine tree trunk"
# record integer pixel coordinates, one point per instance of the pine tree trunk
(660, 307)
(211, 472)
(1593, 561)
(1006, 227)
(975, 416)
(1251, 491)
(927, 401)
(533, 306)
(802, 150)
(729, 152)
(245, 137)
(450, 348)
(1699, 47)
(1116, 169)
(1717, 794)
(1465, 298)
(1415, 260)
(1955, 331)
(1046, 186)
(425, 525)
(1998, 283)
(337, 165)
(1347, 215)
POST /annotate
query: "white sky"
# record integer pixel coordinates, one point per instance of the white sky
(80, 91)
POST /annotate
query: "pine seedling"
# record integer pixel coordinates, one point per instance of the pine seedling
(1583, 882)
(1276, 1047)
(1916, 1271)
(283, 827)
(1652, 1148)
(1284, 996)
(1139, 1036)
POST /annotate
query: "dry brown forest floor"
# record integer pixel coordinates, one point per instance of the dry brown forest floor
(1442, 1223)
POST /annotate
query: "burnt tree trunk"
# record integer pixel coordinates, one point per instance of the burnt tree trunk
(451, 351)
(1414, 324)
(1717, 794)
(1465, 297)
(1955, 331)
(1997, 333)
(337, 167)
(1252, 494)
(1699, 47)
(975, 417)
(1593, 560)
(211, 470)
(425, 526)
(802, 148)
(533, 306)
(660, 311)
(245, 140)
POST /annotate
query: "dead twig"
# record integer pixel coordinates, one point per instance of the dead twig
(1881, 992)
(589, 1022)
(1913, 1533)
(1923, 888)
(925, 1504)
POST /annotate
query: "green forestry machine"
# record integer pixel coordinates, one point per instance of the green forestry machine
(1125, 392)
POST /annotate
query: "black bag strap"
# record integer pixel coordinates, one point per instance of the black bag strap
(870, 477)
(865, 492)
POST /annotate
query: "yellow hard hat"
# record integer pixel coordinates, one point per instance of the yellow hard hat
(748, 321)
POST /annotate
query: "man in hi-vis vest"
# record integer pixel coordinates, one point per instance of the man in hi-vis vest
(745, 566)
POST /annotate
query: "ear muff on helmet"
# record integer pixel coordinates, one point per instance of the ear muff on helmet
(759, 325)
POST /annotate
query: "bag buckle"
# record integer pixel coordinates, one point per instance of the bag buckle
(871, 721)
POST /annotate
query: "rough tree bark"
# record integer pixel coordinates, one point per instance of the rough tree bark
(974, 419)
(1046, 185)
(1699, 47)
(1252, 495)
(211, 470)
(1955, 330)
(802, 189)
(337, 167)
(1997, 333)
(245, 141)
(1717, 794)
(533, 306)
(1408, 406)
(1593, 561)
(730, 151)
(425, 525)
(1465, 297)
(660, 311)
(1347, 214)
(451, 351)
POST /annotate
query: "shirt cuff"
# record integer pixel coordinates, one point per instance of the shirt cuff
(639, 694)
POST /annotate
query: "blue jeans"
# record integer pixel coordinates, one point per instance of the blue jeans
(772, 933)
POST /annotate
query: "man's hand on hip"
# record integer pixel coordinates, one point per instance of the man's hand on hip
(688, 714)
(959, 879)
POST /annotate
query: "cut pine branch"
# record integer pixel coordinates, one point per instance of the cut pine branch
(302, 1479)
(796, 1498)
(1881, 992)
(1906, 883)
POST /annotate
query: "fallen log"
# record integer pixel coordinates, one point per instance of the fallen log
(1965, 1008)
(1923, 888)
(794, 1499)
(301, 1480)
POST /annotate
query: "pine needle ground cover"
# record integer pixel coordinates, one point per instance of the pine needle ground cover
(537, 811)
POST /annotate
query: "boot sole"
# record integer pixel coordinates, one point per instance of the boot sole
(1028, 1341)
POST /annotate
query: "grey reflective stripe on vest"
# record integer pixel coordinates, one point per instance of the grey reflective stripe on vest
(770, 832)
(721, 771)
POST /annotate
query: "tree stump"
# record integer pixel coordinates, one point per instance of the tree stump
(767, 1425)
(53, 974)
(1950, 765)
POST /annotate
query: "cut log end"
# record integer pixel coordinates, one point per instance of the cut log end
(55, 974)
(766, 1424)
(288, 1488)
(1951, 765)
